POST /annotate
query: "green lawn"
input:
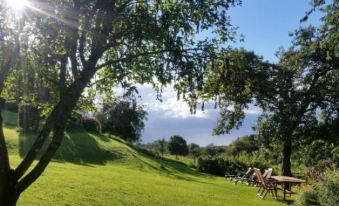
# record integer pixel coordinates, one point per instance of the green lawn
(97, 170)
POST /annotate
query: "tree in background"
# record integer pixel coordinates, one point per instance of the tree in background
(194, 150)
(213, 150)
(124, 119)
(159, 147)
(177, 146)
(162, 146)
(246, 144)
(304, 81)
(123, 42)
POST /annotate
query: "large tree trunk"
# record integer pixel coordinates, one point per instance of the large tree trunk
(58, 117)
(10, 186)
(9, 196)
(10, 200)
(287, 151)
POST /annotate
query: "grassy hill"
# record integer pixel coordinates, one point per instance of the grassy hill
(97, 170)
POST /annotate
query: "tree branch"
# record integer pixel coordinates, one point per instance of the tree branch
(130, 57)
(57, 122)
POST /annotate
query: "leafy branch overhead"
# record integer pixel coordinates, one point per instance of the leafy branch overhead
(303, 83)
(69, 45)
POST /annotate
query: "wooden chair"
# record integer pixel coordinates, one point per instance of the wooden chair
(266, 184)
(267, 175)
(259, 181)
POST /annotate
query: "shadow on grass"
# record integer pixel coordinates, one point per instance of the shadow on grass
(9, 118)
(83, 148)
(171, 168)
(77, 147)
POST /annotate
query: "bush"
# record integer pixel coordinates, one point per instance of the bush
(11, 106)
(307, 198)
(323, 193)
(220, 167)
(91, 125)
(75, 122)
(329, 189)
(254, 159)
(319, 150)
(124, 119)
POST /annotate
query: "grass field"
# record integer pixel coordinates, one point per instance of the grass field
(97, 170)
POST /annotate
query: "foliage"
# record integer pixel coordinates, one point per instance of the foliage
(329, 189)
(213, 150)
(307, 198)
(323, 193)
(162, 146)
(220, 167)
(75, 122)
(230, 165)
(159, 147)
(291, 93)
(177, 146)
(91, 125)
(124, 119)
(62, 45)
(246, 144)
(319, 150)
(194, 150)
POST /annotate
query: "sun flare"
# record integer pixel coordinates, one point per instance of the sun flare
(17, 5)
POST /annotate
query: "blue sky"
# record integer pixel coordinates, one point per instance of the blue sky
(265, 25)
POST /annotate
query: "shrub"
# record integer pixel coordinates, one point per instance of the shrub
(75, 122)
(329, 189)
(124, 119)
(325, 192)
(220, 167)
(91, 125)
(224, 165)
(319, 150)
(254, 159)
(307, 198)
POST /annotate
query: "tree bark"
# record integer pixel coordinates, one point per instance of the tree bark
(65, 107)
(287, 151)
(9, 195)
(4, 164)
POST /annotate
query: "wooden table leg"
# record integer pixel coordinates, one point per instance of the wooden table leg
(284, 190)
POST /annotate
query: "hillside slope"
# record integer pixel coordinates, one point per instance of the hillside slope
(97, 170)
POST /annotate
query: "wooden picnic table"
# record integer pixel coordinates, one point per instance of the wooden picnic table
(287, 183)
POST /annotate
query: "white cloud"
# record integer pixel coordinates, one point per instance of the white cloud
(171, 117)
(170, 106)
(253, 110)
(174, 108)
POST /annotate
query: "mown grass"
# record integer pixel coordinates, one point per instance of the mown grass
(97, 170)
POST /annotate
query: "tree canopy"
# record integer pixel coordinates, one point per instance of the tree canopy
(303, 83)
(74, 44)
(123, 118)
(177, 146)
(246, 144)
